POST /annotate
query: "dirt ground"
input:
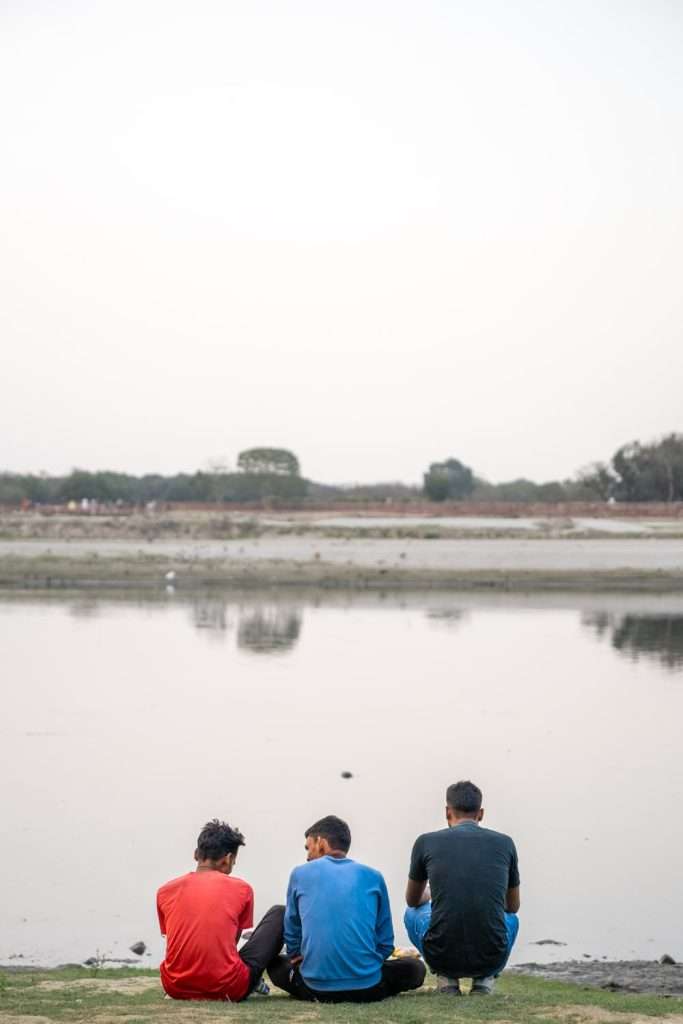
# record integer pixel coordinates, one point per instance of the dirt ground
(614, 976)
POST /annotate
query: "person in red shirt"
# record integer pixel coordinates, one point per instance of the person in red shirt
(203, 914)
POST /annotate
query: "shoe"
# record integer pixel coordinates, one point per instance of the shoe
(262, 989)
(482, 986)
(447, 986)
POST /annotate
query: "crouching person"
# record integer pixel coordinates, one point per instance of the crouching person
(203, 914)
(463, 896)
(338, 927)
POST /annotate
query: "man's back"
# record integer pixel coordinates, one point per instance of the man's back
(338, 919)
(469, 869)
(201, 914)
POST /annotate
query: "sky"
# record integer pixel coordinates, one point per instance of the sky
(378, 233)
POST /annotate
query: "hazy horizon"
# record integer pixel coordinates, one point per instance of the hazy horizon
(378, 234)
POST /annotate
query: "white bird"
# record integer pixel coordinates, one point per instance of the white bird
(170, 576)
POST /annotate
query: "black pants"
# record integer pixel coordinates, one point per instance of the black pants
(263, 946)
(397, 976)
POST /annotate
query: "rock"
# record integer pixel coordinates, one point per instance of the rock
(138, 948)
(666, 959)
(347, 775)
(548, 942)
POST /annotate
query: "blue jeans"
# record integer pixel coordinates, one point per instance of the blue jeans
(418, 919)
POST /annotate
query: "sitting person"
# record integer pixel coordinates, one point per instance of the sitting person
(338, 927)
(203, 913)
(470, 875)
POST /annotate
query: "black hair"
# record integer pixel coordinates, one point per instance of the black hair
(464, 796)
(336, 831)
(216, 839)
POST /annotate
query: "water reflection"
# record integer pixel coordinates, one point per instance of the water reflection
(84, 608)
(446, 618)
(267, 629)
(210, 613)
(659, 637)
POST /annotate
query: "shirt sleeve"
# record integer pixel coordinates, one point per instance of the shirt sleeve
(384, 930)
(418, 868)
(292, 922)
(246, 919)
(513, 877)
(161, 916)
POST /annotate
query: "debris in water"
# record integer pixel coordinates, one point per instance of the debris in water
(138, 948)
(347, 775)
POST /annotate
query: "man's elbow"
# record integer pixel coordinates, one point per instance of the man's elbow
(512, 902)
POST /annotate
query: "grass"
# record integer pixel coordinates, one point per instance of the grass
(135, 997)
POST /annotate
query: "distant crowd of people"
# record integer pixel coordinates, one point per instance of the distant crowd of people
(336, 928)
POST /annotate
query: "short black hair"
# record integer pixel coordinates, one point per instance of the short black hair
(218, 838)
(464, 796)
(336, 831)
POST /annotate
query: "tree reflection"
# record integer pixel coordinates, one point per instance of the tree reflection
(659, 637)
(446, 618)
(269, 630)
(210, 613)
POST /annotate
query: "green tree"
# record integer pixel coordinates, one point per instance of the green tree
(449, 479)
(597, 479)
(650, 472)
(268, 460)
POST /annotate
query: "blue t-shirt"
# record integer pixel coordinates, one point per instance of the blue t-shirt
(338, 919)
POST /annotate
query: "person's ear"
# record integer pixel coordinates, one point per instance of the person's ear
(323, 846)
(481, 814)
(196, 855)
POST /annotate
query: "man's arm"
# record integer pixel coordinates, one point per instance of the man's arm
(512, 894)
(512, 903)
(417, 893)
(384, 930)
(292, 922)
(162, 919)
(417, 890)
(246, 917)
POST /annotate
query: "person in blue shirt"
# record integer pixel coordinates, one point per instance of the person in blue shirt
(338, 929)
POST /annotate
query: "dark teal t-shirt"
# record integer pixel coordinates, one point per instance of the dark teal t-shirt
(469, 869)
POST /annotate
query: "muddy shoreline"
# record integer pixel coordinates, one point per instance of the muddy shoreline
(635, 976)
(156, 572)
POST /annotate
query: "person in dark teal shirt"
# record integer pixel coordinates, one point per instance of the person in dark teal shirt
(338, 929)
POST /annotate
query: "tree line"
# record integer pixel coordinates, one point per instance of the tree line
(637, 472)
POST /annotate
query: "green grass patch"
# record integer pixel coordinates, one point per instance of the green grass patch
(125, 996)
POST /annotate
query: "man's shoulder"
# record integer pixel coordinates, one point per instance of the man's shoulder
(239, 885)
(174, 883)
(369, 873)
(427, 838)
(499, 837)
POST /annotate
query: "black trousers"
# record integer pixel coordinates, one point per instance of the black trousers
(397, 976)
(263, 946)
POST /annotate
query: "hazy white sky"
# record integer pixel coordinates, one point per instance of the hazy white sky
(379, 233)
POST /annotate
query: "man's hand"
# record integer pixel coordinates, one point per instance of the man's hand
(296, 959)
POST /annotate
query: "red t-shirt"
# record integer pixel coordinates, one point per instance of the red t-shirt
(201, 914)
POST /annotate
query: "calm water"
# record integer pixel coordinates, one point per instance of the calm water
(127, 723)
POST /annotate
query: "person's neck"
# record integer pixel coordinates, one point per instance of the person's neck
(208, 867)
(462, 821)
(337, 854)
